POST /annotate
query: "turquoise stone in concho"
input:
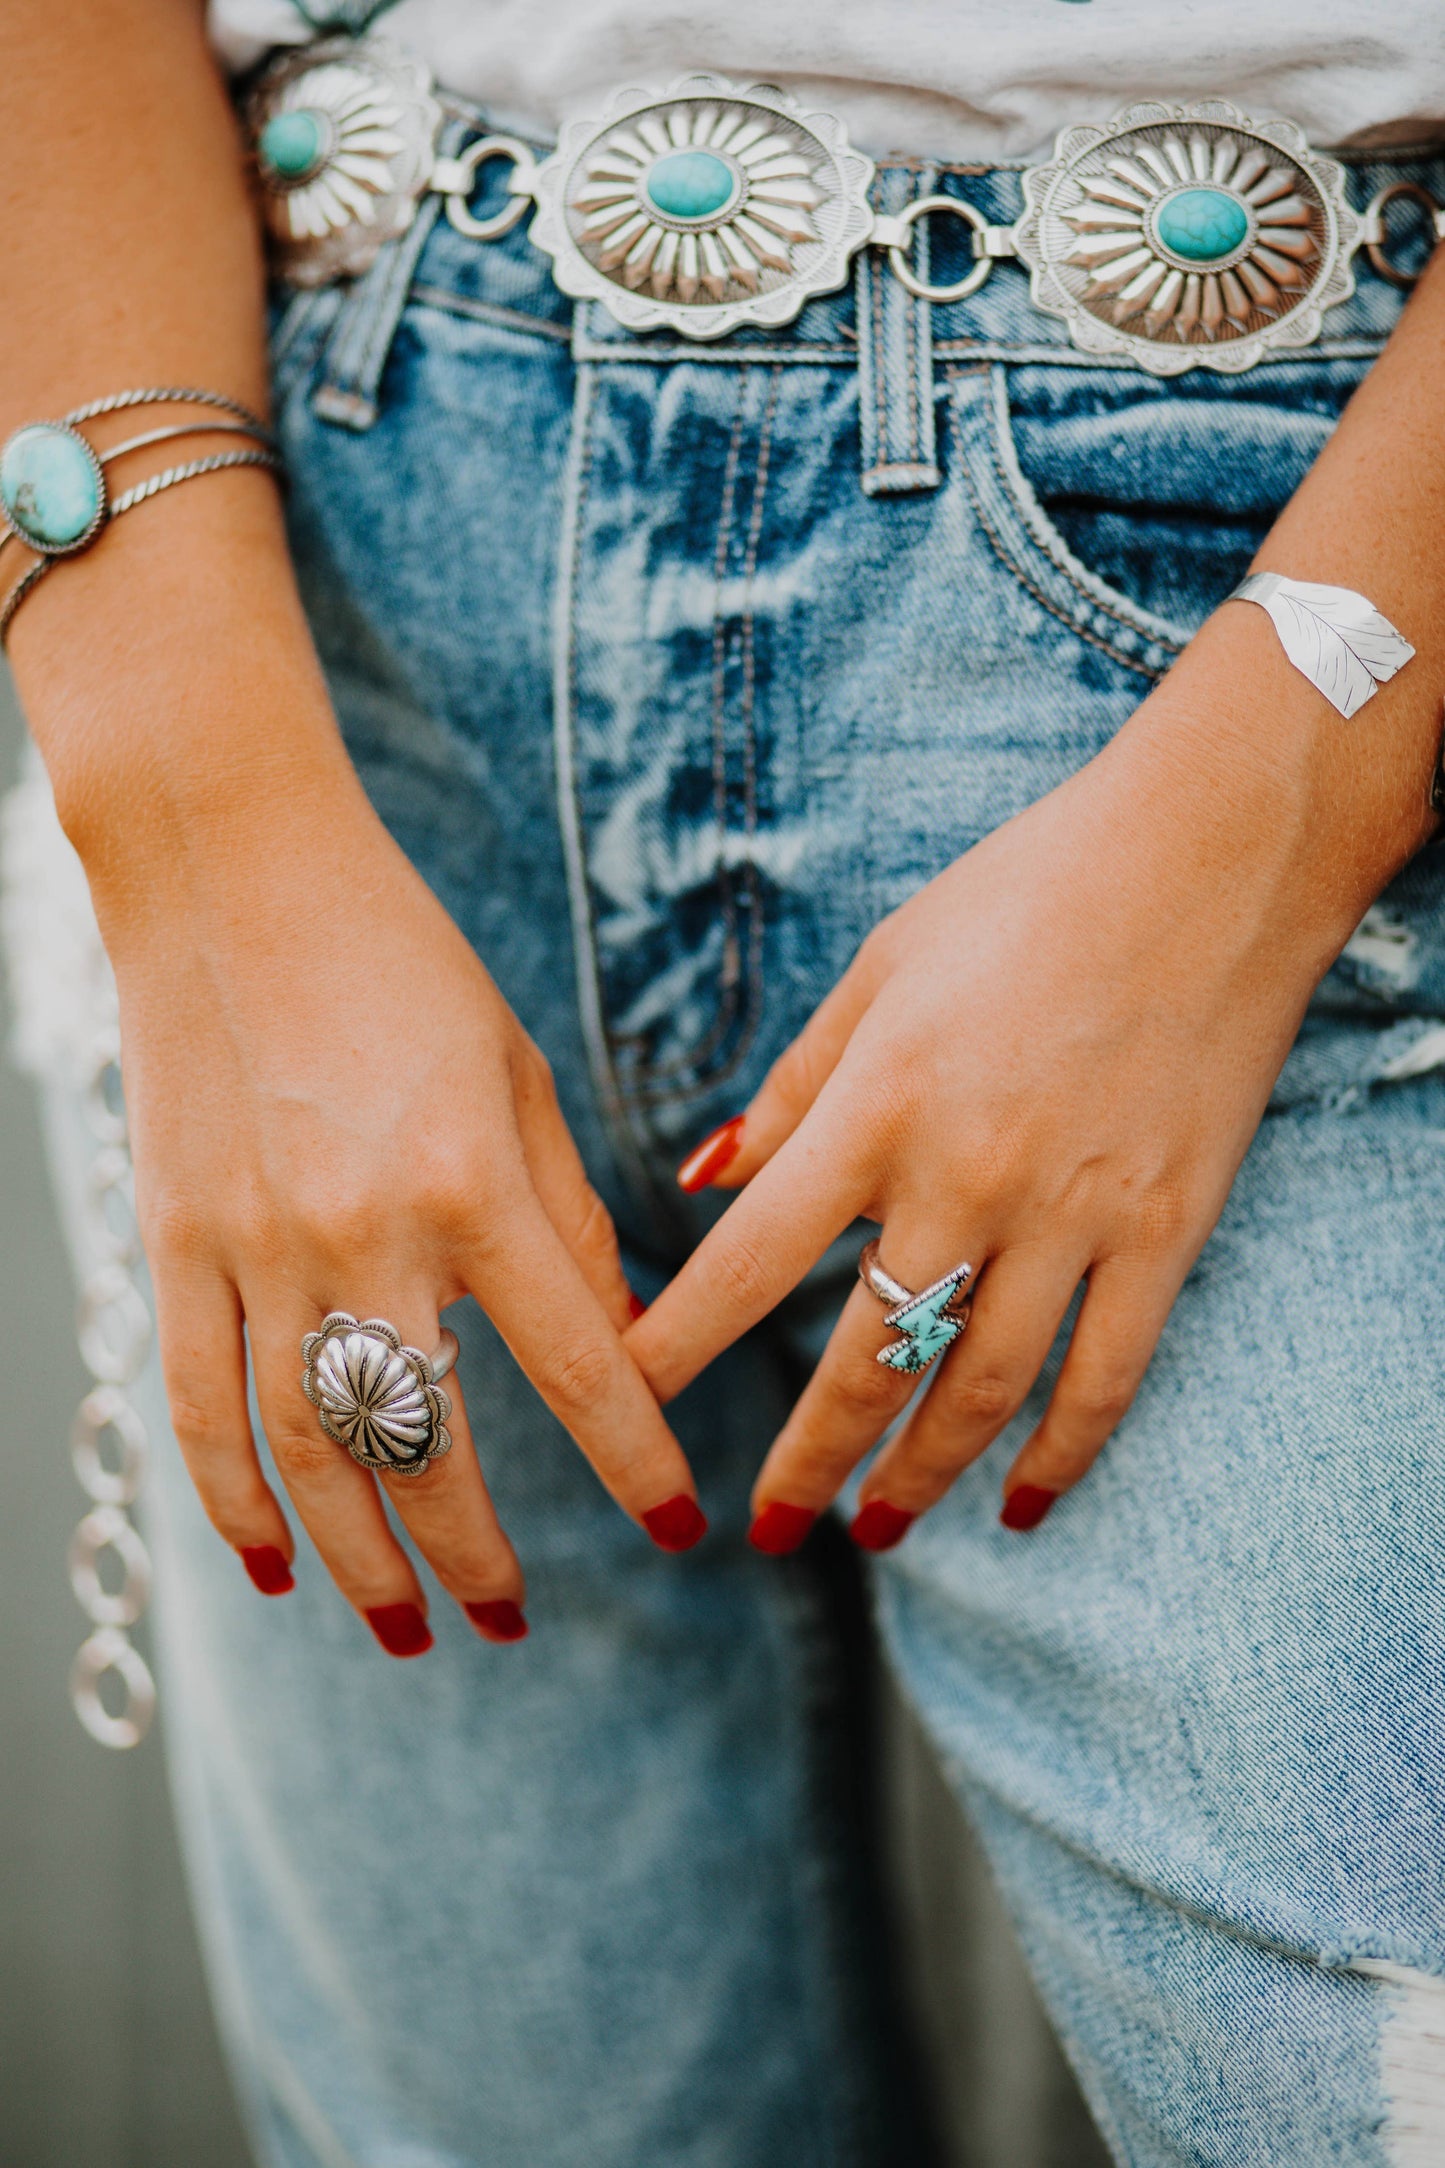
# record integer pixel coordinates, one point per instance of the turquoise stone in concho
(691, 184)
(292, 145)
(1202, 225)
(50, 486)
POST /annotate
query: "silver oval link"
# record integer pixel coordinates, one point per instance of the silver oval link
(461, 173)
(107, 1409)
(107, 1529)
(114, 1326)
(898, 261)
(1373, 235)
(115, 1333)
(110, 1650)
(107, 1123)
(107, 1199)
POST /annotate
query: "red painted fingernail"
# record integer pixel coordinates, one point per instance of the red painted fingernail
(878, 1525)
(677, 1524)
(1026, 1506)
(636, 1307)
(502, 1621)
(779, 1528)
(268, 1569)
(711, 1157)
(400, 1628)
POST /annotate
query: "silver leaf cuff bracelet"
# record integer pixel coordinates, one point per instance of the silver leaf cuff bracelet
(1334, 637)
(54, 495)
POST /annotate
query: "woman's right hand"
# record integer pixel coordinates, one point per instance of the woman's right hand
(332, 1107)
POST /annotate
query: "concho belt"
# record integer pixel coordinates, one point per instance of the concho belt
(1175, 236)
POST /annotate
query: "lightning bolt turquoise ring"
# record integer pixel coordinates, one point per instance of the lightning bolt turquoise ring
(927, 1323)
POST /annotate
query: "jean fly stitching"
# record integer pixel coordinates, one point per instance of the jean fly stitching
(569, 807)
(740, 975)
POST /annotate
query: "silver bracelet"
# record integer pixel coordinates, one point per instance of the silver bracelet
(1334, 637)
(54, 496)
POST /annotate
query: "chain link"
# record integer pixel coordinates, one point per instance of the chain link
(114, 1331)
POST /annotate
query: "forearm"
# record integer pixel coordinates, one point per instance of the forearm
(168, 672)
(1263, 763)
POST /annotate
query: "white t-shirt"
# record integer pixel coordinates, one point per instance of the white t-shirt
(946, 78)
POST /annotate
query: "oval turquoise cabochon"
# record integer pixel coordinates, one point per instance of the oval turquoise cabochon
(1203, 225)
(291, 143)
(50, 485)
(691, 184)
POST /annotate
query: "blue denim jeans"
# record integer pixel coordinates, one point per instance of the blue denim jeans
(674, 669)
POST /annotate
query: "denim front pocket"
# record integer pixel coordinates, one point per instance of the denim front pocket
(1142, 499)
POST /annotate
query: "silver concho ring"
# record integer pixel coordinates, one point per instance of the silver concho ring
(926, 1323)
(377, 1397)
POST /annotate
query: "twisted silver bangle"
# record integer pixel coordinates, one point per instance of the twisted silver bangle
(80, 472)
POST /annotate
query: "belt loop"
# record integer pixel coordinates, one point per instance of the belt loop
(895, 354)
(350, 373)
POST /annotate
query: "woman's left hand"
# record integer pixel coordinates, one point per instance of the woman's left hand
(1050, 1062)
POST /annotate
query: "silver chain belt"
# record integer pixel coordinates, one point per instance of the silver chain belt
(1176, 237)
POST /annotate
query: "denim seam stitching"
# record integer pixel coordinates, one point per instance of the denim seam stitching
(745, 997)
(996, 423)
(584, 935)
(690, 1063)
(1130, 662)
(489, 312)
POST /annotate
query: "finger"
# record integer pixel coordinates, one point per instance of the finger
(337, 1500)
(845, 1408)
(567, 1196)
(1113, 1342)
(536, 1296)
(448, 1512)
(807, 1194)
(984, 1380)
(732, 1155)
(203, 1357)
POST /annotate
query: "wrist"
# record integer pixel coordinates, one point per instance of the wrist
(1310, 814)
(170, 680)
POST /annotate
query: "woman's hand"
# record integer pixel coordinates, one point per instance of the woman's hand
(332, 1107)
(1049, 1063)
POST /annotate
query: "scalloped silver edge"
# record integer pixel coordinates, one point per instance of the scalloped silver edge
(1299, 328)
(639, 312)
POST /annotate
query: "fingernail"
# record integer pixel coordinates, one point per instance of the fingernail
(636, 1307)
(268, 1569)
(400, 1628)
(878, 1525)
(711, 1157)
(677, 1524)
(1026, 1506)
(779, 1529)
(498, 1621)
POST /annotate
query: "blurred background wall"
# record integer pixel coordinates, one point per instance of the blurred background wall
(108, 2056)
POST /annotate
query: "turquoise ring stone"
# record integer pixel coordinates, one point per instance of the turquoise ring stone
(1202, 226)
(691, 185)
(52, 487)
(292, 146)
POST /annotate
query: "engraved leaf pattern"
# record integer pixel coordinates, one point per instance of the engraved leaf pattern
(1338, 639)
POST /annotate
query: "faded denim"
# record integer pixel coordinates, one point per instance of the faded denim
(674, 670)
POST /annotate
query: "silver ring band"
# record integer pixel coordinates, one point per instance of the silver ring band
(376, 1396)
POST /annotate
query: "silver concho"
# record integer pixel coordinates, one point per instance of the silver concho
(375, 1396)
(703, 207)
(343, 132)
(1188, 237)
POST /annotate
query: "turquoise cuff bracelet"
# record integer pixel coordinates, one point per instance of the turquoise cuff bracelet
(54, 497)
